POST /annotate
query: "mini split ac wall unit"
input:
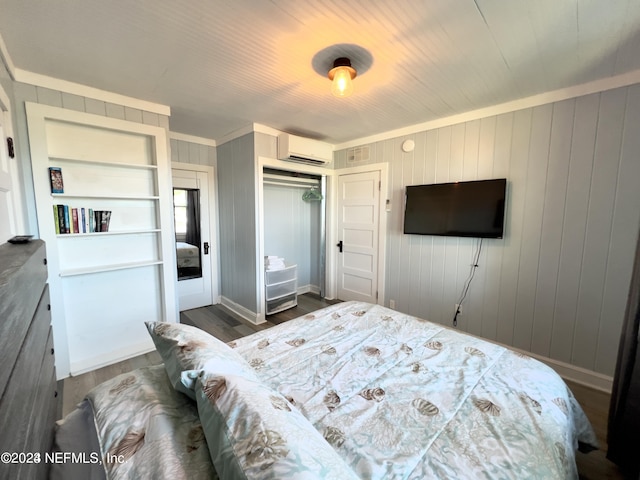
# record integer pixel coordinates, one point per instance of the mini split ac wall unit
(304, 150)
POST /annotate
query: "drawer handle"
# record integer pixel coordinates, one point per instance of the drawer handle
(44, 261)
(48, 306)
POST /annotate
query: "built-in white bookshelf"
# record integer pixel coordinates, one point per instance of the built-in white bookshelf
(104, 284)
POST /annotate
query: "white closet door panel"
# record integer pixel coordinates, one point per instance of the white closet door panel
(86, 142)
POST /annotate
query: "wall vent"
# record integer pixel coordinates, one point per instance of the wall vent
(358, 154)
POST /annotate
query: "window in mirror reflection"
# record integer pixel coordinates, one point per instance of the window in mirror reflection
(186, 214)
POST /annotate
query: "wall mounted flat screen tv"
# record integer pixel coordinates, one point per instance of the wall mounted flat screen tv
(460, 209)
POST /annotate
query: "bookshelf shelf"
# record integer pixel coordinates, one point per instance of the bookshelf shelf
(106, 196)
(107, 268)
(102, 163)
(106, 234)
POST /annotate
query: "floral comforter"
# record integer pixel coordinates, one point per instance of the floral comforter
(400, 397)
(149, 430)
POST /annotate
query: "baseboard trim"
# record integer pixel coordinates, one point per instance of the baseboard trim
(103, 360)
(244, 312)
(573, 373)
(582, 376)
(308, 289)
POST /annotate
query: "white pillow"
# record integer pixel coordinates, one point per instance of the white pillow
(253, 432)
(187, 350)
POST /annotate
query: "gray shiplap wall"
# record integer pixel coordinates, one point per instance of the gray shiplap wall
(237, 221)
(556, 285)
(193, 153)
(29, 93)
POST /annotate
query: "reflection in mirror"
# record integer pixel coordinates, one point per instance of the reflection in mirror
(186, 214)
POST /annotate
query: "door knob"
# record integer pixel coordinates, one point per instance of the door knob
(206, 248)
(339, 245)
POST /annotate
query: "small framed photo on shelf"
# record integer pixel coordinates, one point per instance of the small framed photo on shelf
(55, 177)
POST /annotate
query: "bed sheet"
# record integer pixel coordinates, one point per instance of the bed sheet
(401, 397)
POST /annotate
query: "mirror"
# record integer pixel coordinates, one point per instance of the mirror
(186, 214)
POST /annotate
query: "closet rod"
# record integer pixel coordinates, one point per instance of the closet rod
(292, 181)
(283, 184)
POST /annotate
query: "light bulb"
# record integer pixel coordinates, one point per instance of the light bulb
(342, 85)
(341, 76)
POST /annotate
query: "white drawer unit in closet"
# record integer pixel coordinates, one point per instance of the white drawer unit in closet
(281, 289)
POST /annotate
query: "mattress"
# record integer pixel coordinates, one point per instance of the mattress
(187, 255)
(401, 397)
(353, 388)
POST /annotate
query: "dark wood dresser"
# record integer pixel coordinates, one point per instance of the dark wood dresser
(28, 396)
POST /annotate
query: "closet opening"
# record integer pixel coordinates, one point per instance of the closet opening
(294, 206)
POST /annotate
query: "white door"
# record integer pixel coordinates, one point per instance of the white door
(193, 257)
(7, 220)
(358, 225)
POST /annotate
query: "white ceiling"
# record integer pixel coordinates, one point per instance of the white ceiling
(222, 65)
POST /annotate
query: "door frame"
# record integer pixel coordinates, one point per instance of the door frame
(384, 208)
(213, 223)
(329, 174)
(12, 182)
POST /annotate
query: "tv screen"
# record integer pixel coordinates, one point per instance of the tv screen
(460, 209)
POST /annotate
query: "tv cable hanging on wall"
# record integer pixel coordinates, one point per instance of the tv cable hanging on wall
(467, 283)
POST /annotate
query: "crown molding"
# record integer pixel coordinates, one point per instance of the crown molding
(588, 88)
(65, 86)
(192, 139)
(259, 128)
(250, 128)
(5, 58)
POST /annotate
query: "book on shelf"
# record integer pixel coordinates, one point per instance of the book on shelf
(55, 179)
(102, 217)
(67, 223)
(61, 226)
(80, 219)
(56, 219)
(74, 216)
(83, 220)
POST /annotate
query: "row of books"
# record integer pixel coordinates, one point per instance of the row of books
(80, 220)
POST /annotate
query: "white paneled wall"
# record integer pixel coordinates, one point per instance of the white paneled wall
(184, 151)
(556, 285)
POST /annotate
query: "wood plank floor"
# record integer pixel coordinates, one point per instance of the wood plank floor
(225, 325)
(215, 319)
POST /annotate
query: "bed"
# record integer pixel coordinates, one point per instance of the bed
(350, 391)
(188, 255)
(188, 260)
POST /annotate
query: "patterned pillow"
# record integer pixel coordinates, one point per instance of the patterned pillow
(253, 432)
(186, 350)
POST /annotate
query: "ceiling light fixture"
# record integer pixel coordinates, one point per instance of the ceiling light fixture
(342, 75)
